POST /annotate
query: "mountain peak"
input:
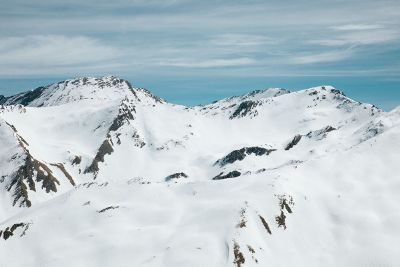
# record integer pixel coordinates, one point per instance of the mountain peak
(106, 88)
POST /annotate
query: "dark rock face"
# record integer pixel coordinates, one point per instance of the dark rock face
(244, 108)
(105, 149)
(25, 98)
(231, 174)
(285, 203)
(294, 142)
(242, 153)
(281, 220)
(77, 160)
(64, 171)
(9, 231)
(266, 226)
(28, 174)
(322, 133)
(315, 92)
(177, 175)
(124, 116)
(337, 93)
(108, 208)
(239, 258)
(33, 170)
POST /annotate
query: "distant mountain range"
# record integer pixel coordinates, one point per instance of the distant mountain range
(97, 172)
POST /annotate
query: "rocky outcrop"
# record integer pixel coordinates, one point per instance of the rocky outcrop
(77, 160)
(244, 109)
(321, 133)
(106, 148)
(316, 135)
(108, 208)
(124, 117)
(125, 114)
(240, 154)
(175, 176)
(10, 231)
(285, 204)
(61, 167)
(32, 171)
(239, 258)
(296, 139)
(232, 174)
(24, 98)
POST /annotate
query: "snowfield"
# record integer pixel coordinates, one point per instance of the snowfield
(97, 172)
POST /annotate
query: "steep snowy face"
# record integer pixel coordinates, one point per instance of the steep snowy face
(91, 89)
(269, 178)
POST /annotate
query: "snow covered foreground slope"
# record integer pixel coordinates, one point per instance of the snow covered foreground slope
(96, 172)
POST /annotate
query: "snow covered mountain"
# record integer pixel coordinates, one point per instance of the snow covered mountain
(97, 172)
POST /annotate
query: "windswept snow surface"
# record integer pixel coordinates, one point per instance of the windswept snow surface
(96, 172)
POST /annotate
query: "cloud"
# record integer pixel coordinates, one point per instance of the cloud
(32, 53)
(210, 63)
(357, 27)
(53, 50)
(359, 35)
(131, 36)
(330, 56)
(242, 40)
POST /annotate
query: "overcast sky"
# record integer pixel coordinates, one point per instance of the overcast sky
(194, 50)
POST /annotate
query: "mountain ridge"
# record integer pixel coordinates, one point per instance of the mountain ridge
(109, 169)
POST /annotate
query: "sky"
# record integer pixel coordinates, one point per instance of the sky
(193, 52)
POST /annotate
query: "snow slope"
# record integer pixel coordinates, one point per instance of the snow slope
(105, 174)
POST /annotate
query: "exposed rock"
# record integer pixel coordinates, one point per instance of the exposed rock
(9, 231)
(105, 149)
(32, 170)
(284, 203)
(231, 174)
(239, 258)
(281, 220)
(253, 252)
(266, 226)
(261, 170)
(108, 208)
(240, 154)
(337, 93)
(177, 175)
(373, 129)
(124, 115)
(296, 139)
(28, 173)
(77, 160)
(244, 108)
(64, 171)
(320, 134)
(242, 222)
(151, 95)
(315, 92)
(25, 98)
